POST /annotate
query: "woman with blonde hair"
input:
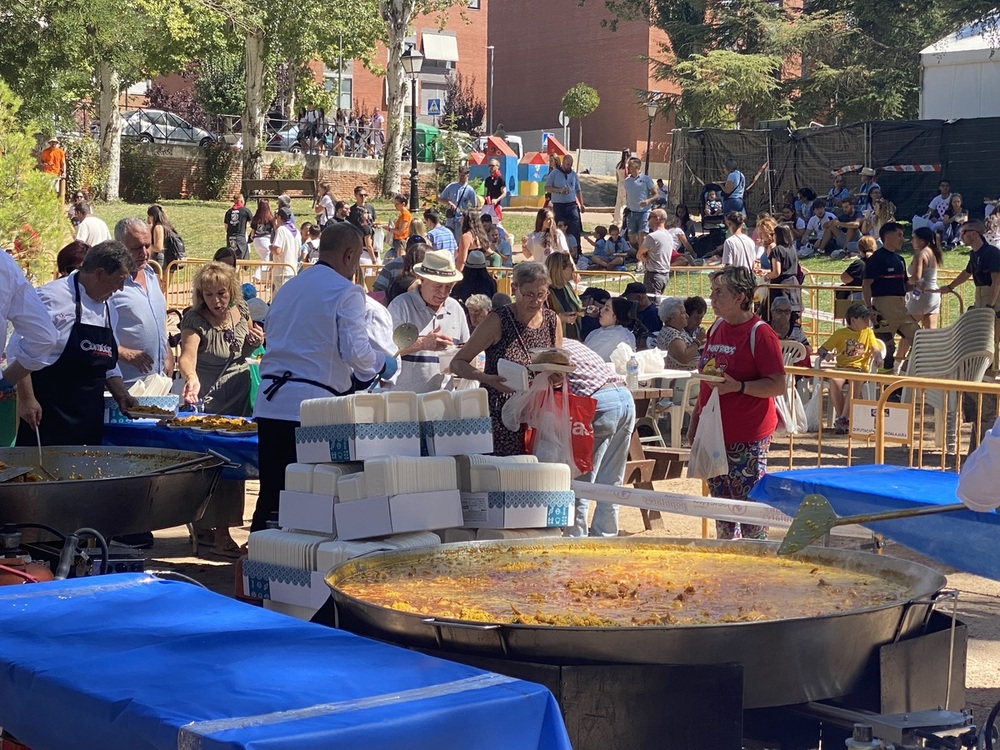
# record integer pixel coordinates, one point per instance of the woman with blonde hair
(562, 297)
(217, 335)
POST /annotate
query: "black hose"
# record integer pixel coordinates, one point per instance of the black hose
(101, 542)
(989, 726)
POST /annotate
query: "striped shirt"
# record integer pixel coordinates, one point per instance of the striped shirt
(592, 373)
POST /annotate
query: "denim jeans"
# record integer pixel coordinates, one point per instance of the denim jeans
(570, 213)
(614, 421)
(638, 221)
(732, 204)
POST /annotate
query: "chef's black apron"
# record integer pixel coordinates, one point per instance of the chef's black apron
(71, 390)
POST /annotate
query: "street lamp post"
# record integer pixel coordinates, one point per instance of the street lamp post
(651, 109)
(489, 127)
(412, 61)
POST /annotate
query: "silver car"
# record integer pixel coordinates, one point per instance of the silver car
(157, 126)
(286, 139)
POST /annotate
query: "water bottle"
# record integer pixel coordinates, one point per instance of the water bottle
(632, 374)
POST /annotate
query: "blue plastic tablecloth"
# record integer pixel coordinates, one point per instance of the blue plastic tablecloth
(965, 540)
(239, 450)
(130, 662)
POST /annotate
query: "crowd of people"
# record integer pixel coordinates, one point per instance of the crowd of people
(102, 324)
(342, 134)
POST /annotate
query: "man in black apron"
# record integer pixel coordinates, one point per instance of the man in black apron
(317, 346)
(65, 400)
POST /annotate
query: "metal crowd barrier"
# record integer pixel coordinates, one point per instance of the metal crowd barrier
(893, 422)
(178, 285)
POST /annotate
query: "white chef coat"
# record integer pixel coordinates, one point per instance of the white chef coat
(59, 300)
(92, 231)
(418, 370)
(142, 323)
(20, 305)
(316, 329)
(380, 329)
(287, 252)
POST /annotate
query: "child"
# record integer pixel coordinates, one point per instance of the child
(311, 247)
(815, 227)
(713, 206)
(599, 258)
(661, 193)
(855, 347)
(616, 250)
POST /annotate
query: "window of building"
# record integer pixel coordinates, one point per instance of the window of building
(474, 4)
(332, 78)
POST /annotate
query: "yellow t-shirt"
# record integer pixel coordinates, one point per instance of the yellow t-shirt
(853, 348)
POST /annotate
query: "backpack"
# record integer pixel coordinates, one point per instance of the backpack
(173, 249)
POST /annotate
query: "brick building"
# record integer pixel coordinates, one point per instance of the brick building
(459, 46)
(545, 48)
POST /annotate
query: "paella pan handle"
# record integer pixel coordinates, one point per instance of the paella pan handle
(438, 624)
(944, 595)
(209, 456)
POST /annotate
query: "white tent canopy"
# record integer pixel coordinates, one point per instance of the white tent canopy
(960, 74)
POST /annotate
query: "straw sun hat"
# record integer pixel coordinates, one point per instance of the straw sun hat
(439, 266)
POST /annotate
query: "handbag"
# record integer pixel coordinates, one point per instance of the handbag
(708, 451)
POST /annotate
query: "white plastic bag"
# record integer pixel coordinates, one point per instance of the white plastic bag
(977, 484)
(812, 407)
(708, 451)
(546, 411)
(791, 413)
(378, 241)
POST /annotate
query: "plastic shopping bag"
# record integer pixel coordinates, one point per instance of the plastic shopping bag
(708, 451)
(791, 413)
(977, 484)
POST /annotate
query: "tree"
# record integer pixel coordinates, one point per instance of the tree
(398, 16)
(31, 216)
(580, 101)
(462, 103)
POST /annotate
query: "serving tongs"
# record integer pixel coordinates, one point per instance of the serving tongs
(816, 517)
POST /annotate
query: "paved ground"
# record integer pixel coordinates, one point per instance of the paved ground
(979, 601)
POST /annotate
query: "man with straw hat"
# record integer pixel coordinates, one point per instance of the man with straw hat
(439, 319)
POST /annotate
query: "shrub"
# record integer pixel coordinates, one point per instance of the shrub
(138, 173)
(83, 168)
(282, 170)
(219, 161)
(32, 222)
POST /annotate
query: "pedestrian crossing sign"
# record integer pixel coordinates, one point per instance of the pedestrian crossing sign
(434, 107)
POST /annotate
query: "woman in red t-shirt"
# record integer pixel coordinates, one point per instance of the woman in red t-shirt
(743, 350)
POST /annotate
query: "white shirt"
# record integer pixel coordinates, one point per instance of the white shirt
(380, 328)
(287, 251)
(142, 323)
(417, 370)
(20, 305)
(536, 249)
(939, 204)
(59, 300)
(315, 330)
(739, 250)
(92, 231)
(817, 224)
(329, 209)
(605, 340)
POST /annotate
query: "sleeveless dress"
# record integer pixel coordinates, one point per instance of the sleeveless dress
(515, 344)
(925, 304)
(222, 365)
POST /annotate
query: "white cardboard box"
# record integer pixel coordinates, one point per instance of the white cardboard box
(363, 519)
(457, 437)
(517, 510)
(423, 511)
(303, 588)
(306, 511)
(356, 442)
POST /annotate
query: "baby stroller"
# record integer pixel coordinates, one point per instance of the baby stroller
(714, 226)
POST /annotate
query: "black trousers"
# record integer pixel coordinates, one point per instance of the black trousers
(275, 450)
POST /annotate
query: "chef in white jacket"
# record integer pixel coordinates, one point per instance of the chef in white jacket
(318, 346)
(20, 306)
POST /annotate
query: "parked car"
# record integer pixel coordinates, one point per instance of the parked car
(286, 139)
(157, 126)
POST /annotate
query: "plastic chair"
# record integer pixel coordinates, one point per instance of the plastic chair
(961, 352)
(792, 351)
